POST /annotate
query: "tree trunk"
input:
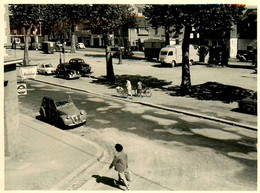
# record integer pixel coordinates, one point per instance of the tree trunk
(73, 39)
(120, 45)
(224, 53)
(186, 82)
(26, 46)
(109, 63)
(167, 36)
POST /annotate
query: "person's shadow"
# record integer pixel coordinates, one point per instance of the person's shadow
(107, 181)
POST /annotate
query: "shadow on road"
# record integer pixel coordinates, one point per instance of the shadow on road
(63, 127)
(242, 66)
(106, 180)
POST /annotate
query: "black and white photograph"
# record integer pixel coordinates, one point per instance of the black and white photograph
(129, 96)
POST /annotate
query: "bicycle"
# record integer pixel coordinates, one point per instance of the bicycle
(123, 92)
(145, 92)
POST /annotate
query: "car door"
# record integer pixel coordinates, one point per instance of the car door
(45, 105)
(62, 70)
(53, 110)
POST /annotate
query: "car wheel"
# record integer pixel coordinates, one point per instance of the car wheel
(67, 76)
(173, 63)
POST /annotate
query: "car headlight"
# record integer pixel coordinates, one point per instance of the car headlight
(82, 112)
(68, 117)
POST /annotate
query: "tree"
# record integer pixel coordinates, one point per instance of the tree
(104, 19)
(214, 19)
(75, 14)
(216, 22)
(163, 16)
(57, 16)
(27, 16)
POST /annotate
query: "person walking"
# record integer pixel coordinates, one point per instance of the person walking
(129, 88)
(120, 162)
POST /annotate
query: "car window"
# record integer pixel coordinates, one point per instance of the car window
(52, 104)
(80, 61)
(62, 103)
(163, 53)
(170, 53)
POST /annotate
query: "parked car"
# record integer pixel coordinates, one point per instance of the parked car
(46, 68)
(58, 47)
(64, 70)
(80, 45)
(80, 65)
(249, 104)
(62, 112)
(126, 53)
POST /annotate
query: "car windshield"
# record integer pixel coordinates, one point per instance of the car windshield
(63, 103)
(163, 53)
(48, 65)
(80, 61)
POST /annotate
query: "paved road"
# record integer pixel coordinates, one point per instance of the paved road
(170, 151)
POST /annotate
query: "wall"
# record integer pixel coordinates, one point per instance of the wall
(11, 111)
(243, 43)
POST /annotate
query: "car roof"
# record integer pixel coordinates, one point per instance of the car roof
(65, 64)
(76, 59)
(57, 97)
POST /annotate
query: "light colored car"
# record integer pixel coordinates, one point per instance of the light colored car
(81, 45)
(46, 68)
(62, 112)
(173, 55)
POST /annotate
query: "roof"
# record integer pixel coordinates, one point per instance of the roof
(57, 97)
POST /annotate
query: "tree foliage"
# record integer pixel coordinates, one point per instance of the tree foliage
(213, 20)
(61, 18)
(164, 16)
(27, 16)
(104, 19)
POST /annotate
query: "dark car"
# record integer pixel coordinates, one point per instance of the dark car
(62, 112)
(249, 104)
(65, 70)
(80, 65)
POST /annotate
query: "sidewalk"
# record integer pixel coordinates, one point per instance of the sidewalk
(44, 159)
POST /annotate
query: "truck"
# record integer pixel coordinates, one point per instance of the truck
(152, 48)
(172, 55)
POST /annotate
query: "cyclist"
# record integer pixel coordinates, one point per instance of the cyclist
(139, 88)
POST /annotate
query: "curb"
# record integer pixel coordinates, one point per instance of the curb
(158, 106)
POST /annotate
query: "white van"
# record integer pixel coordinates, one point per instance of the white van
(173, 55)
